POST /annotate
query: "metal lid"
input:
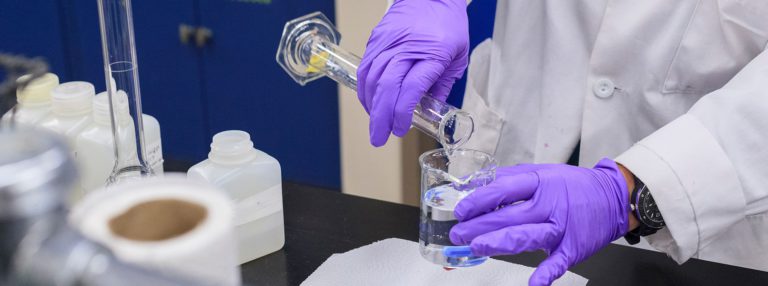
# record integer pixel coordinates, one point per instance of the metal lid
(36, 173)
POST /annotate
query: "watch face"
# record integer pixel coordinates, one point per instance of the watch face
(647, 210)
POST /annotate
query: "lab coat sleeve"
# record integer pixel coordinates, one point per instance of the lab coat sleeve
(708, 169)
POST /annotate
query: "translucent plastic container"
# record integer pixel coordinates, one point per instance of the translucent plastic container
(96, 153)
(252, 180)
(446, 178)
(153, 144)
(71, 105)
(34, 101)
(94, 145)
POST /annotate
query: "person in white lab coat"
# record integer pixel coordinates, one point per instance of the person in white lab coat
(675, 92)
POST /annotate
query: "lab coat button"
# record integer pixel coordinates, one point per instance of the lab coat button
(603, 88)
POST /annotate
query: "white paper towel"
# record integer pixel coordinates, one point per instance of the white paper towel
(206, 253)
(398, 262)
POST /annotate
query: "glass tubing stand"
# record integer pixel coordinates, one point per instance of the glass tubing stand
(122, 74)
(308, 50)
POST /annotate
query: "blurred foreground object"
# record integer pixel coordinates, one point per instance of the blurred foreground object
(37, 246)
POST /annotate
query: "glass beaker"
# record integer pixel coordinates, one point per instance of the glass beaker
(446, 178)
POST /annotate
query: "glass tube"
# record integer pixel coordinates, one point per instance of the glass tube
(308, 50)
(121, 74)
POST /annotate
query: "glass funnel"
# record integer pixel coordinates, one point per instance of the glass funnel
(446, 178)
(309, 50)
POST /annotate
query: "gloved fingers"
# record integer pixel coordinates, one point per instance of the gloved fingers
(370, 68)
(550, 269)
(516, 239)
(373, 77)
(364, 70)
(421, 77)
(523, 213)
(443, 85)
(383, 103)
(503, 191)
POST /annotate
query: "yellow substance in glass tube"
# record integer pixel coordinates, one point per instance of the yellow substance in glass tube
(317, 62)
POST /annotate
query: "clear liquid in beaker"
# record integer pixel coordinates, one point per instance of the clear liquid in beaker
(437, 219)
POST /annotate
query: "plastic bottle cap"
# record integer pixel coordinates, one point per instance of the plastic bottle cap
(101, 107)
(72, 98)
(37, 91)
(231, 147)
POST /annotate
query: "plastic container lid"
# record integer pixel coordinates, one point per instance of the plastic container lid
(38, 91)
(72, 98)
(231, 147)
(101, 107)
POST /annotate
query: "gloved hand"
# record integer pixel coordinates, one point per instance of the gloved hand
(418, 47)
(570, 212)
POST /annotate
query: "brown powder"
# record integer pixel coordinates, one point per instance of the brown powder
(158, 220)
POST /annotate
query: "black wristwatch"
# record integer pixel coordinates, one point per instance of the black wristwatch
(646, 212)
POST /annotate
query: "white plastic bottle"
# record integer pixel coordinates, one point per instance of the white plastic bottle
(71, 105)
(34, 101)
(252, 180)
(94, 146)
(153, 143)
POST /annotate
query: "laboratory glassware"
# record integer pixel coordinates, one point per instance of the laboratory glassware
(446, 178)
(251, 179)
(309, 50)
(121, 73)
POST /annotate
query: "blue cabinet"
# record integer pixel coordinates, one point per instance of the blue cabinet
(34, 28)
(228, 82)
(247, 90)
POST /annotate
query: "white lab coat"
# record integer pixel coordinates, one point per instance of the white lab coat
(677, 91)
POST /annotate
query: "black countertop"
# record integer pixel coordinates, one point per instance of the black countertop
(319, 223)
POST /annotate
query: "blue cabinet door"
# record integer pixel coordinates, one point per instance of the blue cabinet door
(169, 71)
(245, 88)
(34, 28)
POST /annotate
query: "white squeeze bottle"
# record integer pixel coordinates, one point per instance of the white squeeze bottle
(252, 180)
(34, 101)
(94, 146)
(71, 105)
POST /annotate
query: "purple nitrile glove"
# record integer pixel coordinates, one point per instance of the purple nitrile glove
(569, 212)
(418, 47)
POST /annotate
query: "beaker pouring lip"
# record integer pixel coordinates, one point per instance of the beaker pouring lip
(489, 166)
